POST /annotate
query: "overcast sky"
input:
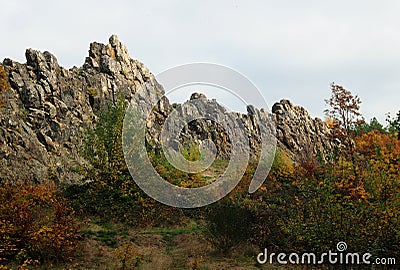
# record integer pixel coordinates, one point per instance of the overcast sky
(288, 49)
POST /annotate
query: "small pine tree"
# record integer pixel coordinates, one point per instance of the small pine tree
(364, 127)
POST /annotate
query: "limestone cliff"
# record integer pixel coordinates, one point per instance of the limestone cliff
(48, 107)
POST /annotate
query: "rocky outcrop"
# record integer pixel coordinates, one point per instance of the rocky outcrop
(300, 135)
(48, 108)
(304, 137)
(200, 130)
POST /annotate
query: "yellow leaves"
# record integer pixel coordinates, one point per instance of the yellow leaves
(35, 223)
(42, 233)
(377, 146)
(379, 163)
(358, 192)
(263, 188)
(282, 166)
(330, 122)
(128, 256)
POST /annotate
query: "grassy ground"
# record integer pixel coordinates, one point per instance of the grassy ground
(115, 246)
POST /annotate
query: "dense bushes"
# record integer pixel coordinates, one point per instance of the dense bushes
(305, 206)
(229, 223)
(36, 224)
(352, 195)
(295, 211)
(331, 208)
(109, 192)
(254, 219)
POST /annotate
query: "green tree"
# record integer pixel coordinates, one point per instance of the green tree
(393, 124)
(364, 127)
(109, 191)
(103, 147)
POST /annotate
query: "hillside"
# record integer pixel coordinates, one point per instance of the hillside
(69, 169)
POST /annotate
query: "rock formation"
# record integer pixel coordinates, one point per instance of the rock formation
(48, 107)
(297, 132)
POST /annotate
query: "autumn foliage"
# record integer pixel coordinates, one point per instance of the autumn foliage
(351, 194)
(36, 224)
(379, 164)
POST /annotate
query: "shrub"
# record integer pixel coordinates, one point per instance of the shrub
(282, 166)
(128, 256)
(109, 192)
(175, 176)
(330, 208)
(36, 224)
(103, 146)
(229, 223)
(272, 203)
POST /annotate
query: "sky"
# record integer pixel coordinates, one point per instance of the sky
(288, 49)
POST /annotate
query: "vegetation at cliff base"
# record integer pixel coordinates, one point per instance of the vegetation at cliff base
(351, 194)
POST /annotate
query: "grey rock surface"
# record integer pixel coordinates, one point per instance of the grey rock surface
(49, 107)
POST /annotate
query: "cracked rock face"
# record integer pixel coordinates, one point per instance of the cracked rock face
(297, 132)
(48, 108)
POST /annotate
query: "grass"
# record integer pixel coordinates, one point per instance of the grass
(192, 227)
(104, 232)
(177, 247)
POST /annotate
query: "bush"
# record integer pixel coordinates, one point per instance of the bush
(175, 176)
(331, 208)
(229, 223)
(311, 206)
(36, 224)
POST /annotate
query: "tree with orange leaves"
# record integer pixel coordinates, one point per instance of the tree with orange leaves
(345, 115)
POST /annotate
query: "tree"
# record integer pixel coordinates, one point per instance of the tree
(344, 108)
(103, 145)
(345, 115)
(374, 124)
(394, 124)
